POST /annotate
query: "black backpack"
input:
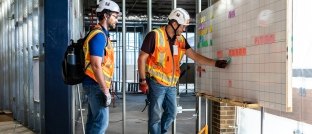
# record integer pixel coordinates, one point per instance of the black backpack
(73, 64)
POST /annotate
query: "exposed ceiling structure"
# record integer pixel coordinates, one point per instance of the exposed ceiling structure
(160, 8)
(136, 11)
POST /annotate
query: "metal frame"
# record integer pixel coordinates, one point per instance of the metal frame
(124, 66)
(19, 35)
(198, 104)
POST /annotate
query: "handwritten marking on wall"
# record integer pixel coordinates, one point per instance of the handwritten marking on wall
(202, 19)
(220, 54)
(229, 83)
(237, 52)
(231, 14)
(264, 39)
(203, 31)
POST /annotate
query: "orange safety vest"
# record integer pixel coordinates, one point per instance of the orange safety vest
(108, 59)
(161, 65)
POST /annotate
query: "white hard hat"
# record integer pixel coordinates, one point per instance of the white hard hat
(180, 15)
(109, 5)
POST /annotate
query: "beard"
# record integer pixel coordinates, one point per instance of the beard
(112, 26)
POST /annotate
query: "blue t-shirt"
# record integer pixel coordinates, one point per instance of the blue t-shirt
(96, 47)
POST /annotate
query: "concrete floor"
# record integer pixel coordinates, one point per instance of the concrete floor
(13, 127)
(9, 126)
(136, 121)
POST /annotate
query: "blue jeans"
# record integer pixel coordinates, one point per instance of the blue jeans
(98, 115)
(161, 98)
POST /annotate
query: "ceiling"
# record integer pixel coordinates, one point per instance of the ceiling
(160, 8)
(136, 12)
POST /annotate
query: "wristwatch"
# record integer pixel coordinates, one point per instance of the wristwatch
(141, 80)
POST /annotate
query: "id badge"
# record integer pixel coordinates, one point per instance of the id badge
(175, 50)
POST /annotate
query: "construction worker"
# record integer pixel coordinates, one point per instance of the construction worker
(159, 70)
(99, 57)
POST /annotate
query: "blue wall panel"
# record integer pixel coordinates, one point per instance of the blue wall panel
(57, 94)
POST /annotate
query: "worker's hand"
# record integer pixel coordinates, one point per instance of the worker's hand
(104, 98)
(221, 63)
(144, 87)
(108, 99)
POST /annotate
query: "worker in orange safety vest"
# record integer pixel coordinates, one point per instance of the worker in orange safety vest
(159, 68)
(99, 61)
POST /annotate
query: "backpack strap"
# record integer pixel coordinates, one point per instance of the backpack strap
(89, 36)
(92, 33)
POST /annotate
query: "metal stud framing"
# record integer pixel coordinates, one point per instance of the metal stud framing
(19, 43)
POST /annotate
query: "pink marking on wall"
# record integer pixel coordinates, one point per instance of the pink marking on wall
(229, 83)
(219, 53)
(264, 39)
(231, 14)
(237, 52)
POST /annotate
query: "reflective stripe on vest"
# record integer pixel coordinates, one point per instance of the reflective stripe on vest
(161, 65)
(108, 59)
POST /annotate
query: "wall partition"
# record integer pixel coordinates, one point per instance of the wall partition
(19, 47)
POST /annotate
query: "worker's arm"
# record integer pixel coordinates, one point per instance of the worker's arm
(204, 60)
(146, 49)
(141, 63)
(199, 58)
(96, 62)
(96, 59)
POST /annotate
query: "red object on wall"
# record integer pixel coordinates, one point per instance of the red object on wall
(199, 70)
